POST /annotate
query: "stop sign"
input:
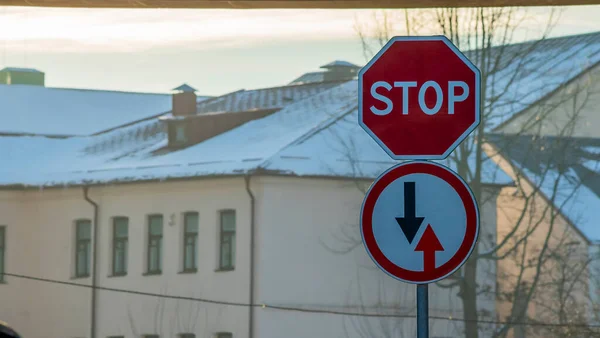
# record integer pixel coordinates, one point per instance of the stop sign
(419, 97)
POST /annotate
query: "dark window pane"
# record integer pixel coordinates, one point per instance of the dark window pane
(190, 247)
(121, 227)
(191, 222)
(156, 225)
(224, 335)
(227, 245)
(120, 241)
(228, 220)
(84, 229)
(82, 247)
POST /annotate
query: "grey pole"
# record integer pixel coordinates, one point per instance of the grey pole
(422, 311)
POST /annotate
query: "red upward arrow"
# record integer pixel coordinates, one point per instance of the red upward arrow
(429, 244)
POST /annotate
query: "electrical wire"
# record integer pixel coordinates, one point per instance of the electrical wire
(297, 309)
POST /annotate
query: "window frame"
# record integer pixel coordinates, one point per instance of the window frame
(125, 247)
(157, 271)
(88, 245)
(2, 253)
(187, 335)
(186, 236)
(231, 235)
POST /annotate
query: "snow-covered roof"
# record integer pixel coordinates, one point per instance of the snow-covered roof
(185, 88)
(59, 111)
(528, 72)
(567, 170)
(310, 77)
(266, 98)
(16, 69)
(339, 63)
(315, 136)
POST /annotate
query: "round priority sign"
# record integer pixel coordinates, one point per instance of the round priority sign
(419, 222)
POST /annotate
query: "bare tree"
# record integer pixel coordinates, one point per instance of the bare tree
(527, 244)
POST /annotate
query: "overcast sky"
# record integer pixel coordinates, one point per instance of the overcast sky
(216, 51)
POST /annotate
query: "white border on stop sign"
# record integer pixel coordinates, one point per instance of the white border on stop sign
(467, 62)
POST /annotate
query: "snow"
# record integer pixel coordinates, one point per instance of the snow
(57, 111)
(23, 70)
(548, 66)
(235, 151)
(340, 63)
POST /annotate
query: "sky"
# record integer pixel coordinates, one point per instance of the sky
(215, 51)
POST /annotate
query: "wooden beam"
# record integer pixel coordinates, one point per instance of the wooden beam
(256, 4)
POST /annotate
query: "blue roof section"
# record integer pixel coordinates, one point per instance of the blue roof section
(567, 170)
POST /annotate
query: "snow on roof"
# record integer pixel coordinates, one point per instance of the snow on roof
(566, 171)
(15, 69)
(58, 111)
(306, 138)
(185, 88)
(540, 68)
(266, 98)
(339, 63)
(310, 77)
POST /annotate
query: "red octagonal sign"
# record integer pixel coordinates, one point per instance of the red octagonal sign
(419, 97)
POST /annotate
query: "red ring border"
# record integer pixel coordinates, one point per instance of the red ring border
(471, 233)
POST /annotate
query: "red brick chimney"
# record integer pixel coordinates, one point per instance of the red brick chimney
(184, 101)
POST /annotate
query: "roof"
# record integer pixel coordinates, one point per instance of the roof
(60, 111)
(567, 170)
(185, 88)
(266, 98)
(541, 67)
(339, 63)
(309, 78)
(308, 137)
(24, 70)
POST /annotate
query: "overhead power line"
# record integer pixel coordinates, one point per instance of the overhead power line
(298, 309)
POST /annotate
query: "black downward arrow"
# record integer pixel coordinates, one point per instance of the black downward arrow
(410, 223)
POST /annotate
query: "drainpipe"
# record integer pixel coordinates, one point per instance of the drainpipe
(252, 226)
(94, 256)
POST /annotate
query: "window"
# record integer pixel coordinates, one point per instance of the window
(83, 239)
(155, 233)
(187, 335)
(151, 336)
(2, 251)
(120, 238)
(227, 245)
(224, 335)
(190, 241)
(180, 133)
(116, 337)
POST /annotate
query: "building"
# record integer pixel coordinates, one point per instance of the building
(208, 206)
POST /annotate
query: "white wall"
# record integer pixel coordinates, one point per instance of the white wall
(40, 243)
(298, 219)
(295, 219)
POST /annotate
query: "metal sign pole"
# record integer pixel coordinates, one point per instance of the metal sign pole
(422, 311)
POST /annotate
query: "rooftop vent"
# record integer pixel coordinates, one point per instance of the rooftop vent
(184, 101)
(334, 71)
(21, 76)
